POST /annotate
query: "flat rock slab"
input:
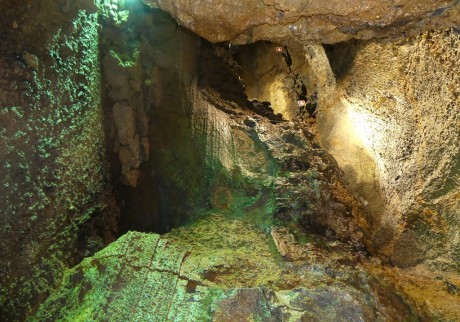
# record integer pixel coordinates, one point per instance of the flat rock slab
(145, 277)
(134, 279)
(138, 278)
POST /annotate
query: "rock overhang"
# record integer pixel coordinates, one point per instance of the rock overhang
(293, 22)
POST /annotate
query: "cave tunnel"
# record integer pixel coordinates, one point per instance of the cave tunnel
(213, 161)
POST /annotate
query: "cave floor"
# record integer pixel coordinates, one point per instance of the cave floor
(224, 269)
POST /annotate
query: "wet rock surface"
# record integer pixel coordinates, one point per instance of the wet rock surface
(302, 22)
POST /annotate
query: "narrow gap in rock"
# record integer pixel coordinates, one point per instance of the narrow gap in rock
(341, 57)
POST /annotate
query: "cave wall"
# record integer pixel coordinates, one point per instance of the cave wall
(209, 152)
(148, 61)
(185, 142)
(197, 161)
(54, 191)
(395, 132)
(411, 188)
(278, 75)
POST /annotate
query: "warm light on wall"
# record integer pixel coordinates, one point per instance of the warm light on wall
(367, 130)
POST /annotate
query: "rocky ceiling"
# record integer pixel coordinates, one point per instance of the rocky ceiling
(304, 21)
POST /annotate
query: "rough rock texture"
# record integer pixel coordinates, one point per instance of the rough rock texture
(431, 296)
(52, 147)
(280, 78)
(125, 100)
(293, 22)
(186, 143)
(293, 80)
(396, 132)
(212, 152)
(159, 61)
(219, 270)
(294, 178)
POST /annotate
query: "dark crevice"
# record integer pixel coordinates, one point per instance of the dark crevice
(341, 57)
(287, 57)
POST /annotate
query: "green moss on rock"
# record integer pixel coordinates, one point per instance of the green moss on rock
(54, 178)
(213, 270)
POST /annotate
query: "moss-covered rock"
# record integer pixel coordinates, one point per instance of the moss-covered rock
(216, 270)
(52, 147)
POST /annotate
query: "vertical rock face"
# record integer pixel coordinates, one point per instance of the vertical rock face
(129, 148)
(52, 147)
(210, 152)
(396, 133)
(278, 75)
(125, 100)
(385, 124)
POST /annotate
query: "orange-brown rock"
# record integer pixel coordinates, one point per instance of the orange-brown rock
(290, 21)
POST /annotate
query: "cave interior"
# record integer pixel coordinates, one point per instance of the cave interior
(157, 170)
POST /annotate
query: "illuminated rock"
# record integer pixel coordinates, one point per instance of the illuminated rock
(302, 22)
(395, 133)
(217, 270)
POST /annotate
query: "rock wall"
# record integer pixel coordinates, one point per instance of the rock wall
(185, 142)
(209, 151)
(54, 170)
(278, 75)
(147, 63)
(124, 93)
(395, 131)
(385, 124)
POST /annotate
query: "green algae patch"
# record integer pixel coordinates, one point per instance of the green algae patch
(55, 171)
(228, 253)
(216, 269)
(115, 279)
(139, 277)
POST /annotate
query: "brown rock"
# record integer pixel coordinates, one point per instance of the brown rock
(395, 133)
(125, 123)
(144, 149)
(130, 178)
(407, 251)
(129, 155)
(288, 21)
(286, 245)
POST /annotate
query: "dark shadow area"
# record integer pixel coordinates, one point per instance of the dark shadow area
(139, 60)
(341, 57)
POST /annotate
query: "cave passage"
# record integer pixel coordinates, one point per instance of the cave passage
(166, 172)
